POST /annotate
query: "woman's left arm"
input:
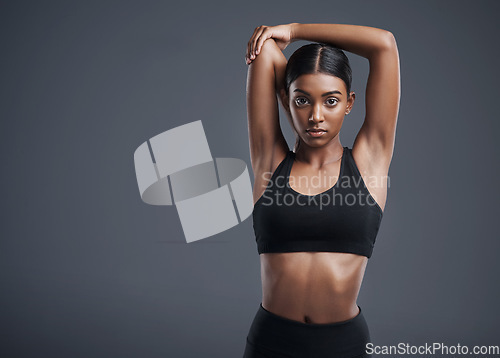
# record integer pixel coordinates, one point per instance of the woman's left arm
(376, 137)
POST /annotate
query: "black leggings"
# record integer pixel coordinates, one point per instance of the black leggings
(273, 336)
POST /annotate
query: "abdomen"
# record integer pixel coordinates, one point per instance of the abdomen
(312, 287)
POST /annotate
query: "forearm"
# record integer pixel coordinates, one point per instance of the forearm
(361, 40)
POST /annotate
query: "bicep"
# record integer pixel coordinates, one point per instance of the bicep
(377, 134)
(267, 144)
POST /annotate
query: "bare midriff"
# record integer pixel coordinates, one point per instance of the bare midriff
(312, 287)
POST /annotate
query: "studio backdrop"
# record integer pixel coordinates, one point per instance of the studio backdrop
(89, 269)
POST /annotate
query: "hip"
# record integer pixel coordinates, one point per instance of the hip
(277, 336)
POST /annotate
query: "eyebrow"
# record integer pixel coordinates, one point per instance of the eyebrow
(324, 94)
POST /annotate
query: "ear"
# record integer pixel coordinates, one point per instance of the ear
(350, 102)
(284, 100)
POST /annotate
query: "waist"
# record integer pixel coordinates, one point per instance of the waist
(287, 338)
(315, 286)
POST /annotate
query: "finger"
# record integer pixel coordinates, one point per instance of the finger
(263, 37)
(256, 38)
(250, 42)
(247, 54)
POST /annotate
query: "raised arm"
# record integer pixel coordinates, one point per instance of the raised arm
(376, 137)
(268, 147)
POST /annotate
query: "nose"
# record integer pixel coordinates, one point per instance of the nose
(317, 115)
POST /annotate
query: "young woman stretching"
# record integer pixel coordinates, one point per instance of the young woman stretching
(317, 209)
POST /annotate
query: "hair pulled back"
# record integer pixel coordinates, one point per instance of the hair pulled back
(318, 58)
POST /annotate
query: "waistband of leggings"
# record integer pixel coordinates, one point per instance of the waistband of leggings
(350, 321)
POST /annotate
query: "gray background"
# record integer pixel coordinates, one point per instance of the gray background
(89, 270)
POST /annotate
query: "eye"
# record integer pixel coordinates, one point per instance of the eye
(335, 101)
(298, 99)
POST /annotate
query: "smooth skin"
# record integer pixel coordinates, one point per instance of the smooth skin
(319, 287)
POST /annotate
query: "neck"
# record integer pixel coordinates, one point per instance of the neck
(319, 156)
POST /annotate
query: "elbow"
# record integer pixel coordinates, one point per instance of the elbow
(385, 43)
(269, 48)
(389, 41)
(270, 54)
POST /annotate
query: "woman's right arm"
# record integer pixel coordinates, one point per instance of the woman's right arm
(268, 147)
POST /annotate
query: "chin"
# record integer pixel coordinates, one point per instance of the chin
(316, 143)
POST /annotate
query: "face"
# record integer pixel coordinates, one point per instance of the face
(318, 101)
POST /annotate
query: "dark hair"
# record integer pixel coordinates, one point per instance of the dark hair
(318, 58)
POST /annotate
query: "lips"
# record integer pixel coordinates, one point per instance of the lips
(316, 130)
(316, 133)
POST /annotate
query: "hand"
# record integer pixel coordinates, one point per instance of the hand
(282, 35)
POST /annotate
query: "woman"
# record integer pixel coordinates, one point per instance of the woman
(317, 209)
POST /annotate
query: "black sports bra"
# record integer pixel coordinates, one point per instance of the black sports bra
(344, 218)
